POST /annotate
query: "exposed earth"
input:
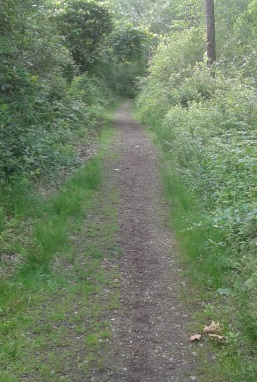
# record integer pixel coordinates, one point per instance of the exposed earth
(150, 330)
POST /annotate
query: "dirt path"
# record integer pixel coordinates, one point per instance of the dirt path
(150, 338)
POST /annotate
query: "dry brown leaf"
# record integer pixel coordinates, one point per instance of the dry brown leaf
(195, 337)
(218, 337)
(105, 263)
(213, 328)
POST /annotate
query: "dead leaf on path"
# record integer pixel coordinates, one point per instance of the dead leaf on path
(195, 337)
(213, 328)
(211, 331)
(218, 337)
(105, 263)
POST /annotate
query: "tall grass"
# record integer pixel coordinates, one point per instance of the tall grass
(196, 234)
(50, 224)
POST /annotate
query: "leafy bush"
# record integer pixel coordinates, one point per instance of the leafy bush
(91, 90)
(208, 127)
(84, 26)
(44, 108)
(173, 63)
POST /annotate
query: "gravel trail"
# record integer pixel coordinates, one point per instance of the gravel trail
(150, 335)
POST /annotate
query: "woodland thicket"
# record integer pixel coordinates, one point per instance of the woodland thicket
(63, 63)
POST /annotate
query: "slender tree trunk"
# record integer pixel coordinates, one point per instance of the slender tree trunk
(210, 30)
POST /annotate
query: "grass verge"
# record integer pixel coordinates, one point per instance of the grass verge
(59, 280)
(205, 259)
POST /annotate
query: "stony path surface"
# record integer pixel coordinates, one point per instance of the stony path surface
(150, 335)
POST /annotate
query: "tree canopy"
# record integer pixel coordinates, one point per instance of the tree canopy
(84, 26)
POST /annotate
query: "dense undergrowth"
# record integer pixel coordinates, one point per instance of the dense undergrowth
(61, 68)
(205, 120)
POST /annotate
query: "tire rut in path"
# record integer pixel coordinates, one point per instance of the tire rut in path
(150, 339)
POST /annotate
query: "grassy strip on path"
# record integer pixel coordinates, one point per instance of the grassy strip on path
(59, 280)
(204, 257)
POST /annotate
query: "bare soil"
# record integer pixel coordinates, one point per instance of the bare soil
(150, 330)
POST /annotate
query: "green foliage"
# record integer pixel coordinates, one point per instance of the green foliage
(13, 15)
(171, 67)
(46, 107)
(160, 16)
(21, 111)
(84, 26)
(128, 75)
(91, 90)
(127, 44)
(207, 127)
(41, 114)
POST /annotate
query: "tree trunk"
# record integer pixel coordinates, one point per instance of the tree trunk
(210, 30)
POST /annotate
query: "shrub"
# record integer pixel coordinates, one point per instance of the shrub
(208, 128)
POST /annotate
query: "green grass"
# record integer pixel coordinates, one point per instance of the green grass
(204, 258)
(210, 264)
(196, 234)
(52, 289)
